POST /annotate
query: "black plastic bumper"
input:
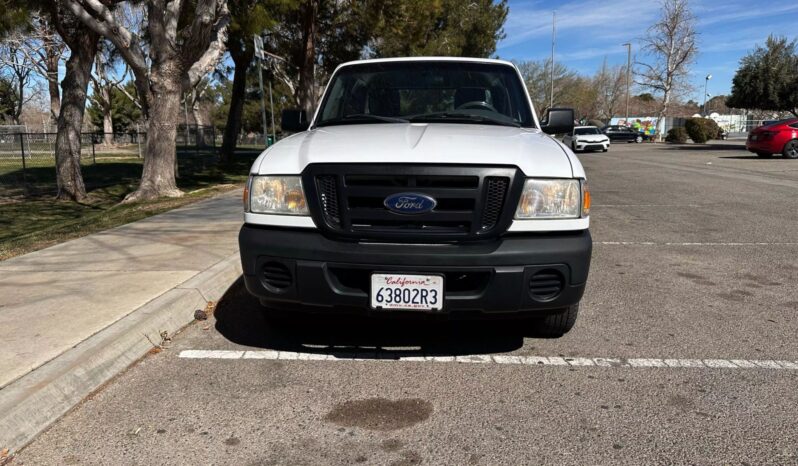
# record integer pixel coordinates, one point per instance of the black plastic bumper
(482, 277)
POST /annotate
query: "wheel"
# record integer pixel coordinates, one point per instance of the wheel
(764, 155)
(557, 325)
(639, 139)
(573, 147)
(605, 149)
(790, 150)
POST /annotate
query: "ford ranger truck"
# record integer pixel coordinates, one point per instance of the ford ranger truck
(426, 185)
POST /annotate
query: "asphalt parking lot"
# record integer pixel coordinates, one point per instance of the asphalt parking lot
(685, 353)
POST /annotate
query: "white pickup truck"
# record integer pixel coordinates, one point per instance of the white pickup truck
(426, 185)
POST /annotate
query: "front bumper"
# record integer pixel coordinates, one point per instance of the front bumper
(482, 277)
(592, 145)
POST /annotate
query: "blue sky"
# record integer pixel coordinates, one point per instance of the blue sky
(590, 30)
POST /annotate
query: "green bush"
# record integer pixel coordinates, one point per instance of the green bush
(676, 135)
(702, 130)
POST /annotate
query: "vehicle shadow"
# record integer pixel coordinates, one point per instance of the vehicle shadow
(241, 319)
(706, 147)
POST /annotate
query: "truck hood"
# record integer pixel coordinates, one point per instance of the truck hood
(534, 152)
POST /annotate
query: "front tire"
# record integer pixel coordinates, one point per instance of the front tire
(790, 150)
(557, 325)
(638, 139)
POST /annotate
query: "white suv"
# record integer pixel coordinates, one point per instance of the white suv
(584, 138)
(425, 185)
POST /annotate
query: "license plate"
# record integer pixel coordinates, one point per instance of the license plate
(407, 291)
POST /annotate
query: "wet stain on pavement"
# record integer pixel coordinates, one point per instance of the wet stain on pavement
(380, 414)
(735, 295)
(697, 279)
(409, 458)
(232, 441)
(392, 444)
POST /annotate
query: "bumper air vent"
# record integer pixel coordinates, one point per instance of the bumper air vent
(276, 276)
(546, 285)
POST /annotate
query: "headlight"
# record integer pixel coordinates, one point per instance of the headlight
(553, 199)
(281, 195)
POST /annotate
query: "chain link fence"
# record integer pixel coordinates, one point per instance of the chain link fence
(27, 160)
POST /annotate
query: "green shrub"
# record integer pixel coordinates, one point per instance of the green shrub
(702, 130)
(676, 135)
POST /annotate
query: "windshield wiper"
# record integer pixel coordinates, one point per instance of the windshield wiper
(460, 116)
(361, 117)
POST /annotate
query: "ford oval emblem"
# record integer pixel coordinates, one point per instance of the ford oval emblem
(409, 203)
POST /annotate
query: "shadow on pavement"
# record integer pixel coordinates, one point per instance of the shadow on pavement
(706, 147)
(241, 319)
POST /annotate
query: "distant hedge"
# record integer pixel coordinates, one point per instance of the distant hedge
(702, 130)
(676, 135)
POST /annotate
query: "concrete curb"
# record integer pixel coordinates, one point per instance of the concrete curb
(32, 403)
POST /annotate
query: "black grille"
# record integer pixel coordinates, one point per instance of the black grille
(348, 200)
(546, 285)
(328, 197)
(495, 190)
(276, 276)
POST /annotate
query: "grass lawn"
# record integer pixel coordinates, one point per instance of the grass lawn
(38, 220)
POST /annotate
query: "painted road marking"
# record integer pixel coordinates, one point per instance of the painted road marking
(651, 243)
(376, 355)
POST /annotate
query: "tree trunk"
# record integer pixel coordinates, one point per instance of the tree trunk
(53, 57)
(237, 97)
(70, 118)
(108, 120)
(307, 70)
(158, 175)
(108, 127)
(55, 95)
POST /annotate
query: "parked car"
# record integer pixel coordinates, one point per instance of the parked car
(426, 185)
(624, 134)
(778, 137)
(586, 138)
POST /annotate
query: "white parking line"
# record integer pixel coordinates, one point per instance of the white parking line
(651, 243)
(376, 355)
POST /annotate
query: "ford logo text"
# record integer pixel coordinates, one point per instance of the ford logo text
(409, 203)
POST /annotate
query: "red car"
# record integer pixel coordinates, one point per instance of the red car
(779, 137)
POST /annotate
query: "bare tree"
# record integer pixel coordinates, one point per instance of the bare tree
(537, 75)
(184, 41)
(104, 79)
(42, 49)
(18, 69)
(671, 43)
(610, 85)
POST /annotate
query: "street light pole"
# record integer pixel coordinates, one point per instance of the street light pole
(553, 39)
(628, 46)
(706, 83)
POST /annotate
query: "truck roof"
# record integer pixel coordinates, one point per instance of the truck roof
(422, 59)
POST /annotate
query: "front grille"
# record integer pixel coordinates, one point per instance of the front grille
(472, 202)
(546, 285)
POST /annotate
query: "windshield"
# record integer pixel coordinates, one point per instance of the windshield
(584, 131)
(425, 91)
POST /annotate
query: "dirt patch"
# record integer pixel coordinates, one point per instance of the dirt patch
(380, 414)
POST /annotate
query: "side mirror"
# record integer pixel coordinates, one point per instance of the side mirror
(558, 121)
(294, 120)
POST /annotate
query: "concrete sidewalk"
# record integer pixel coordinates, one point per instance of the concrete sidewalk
(57, 300)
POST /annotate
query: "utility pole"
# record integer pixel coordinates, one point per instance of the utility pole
(259, 52)
(271, 105)
(628, 76)
(553, 40)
